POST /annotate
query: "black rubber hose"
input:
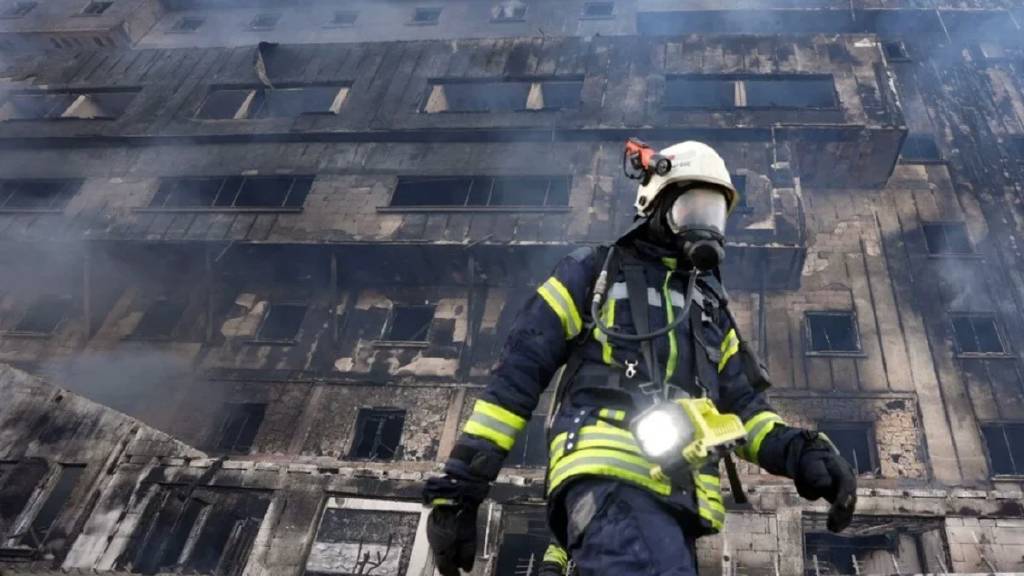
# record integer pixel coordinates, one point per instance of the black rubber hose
(595, 309)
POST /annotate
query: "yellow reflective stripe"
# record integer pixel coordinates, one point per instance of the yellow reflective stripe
(442, 502)
(617, 415)
(598, 436)
(730, 346)
(558, 450)
(560, 301)
(758, 428)
(492, 422)
(670, 316)
(715, 517)
(556, 555)
(710, 482)
(609, 319)
(604, 462)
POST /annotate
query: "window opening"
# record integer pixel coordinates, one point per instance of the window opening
(96, 8)
(241, 424)
(56, 500)
(524, 541)
(947, 238)
(378, 433)
(18, 9)
(790, 92)
(44, 315)
(855, 442)
(344, 18)
(1005, 444)
(481, 191)
(160, 319)
(977, 334)
(896, 51)
(99, 106)
(282, 323)
(832, 332)
(920, 148)
(699, 92)
(266, 21)
(426, 16)
(292, 102)
(598, 9)
(188, 24)
(509, 11)
(36, 194)
(410, 323)
(233, 192)
(357, 536)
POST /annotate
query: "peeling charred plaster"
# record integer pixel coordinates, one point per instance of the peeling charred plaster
(833, 221)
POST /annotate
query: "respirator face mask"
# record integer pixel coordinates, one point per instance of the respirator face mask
(697, 217)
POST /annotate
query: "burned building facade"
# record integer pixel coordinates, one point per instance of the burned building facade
(249, 291)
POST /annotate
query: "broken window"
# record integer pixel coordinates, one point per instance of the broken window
(96, 8)
(188, 24)
(44, 315)
(830, 332)
(99, 105)
(18, 9)
(525, 538)
(555, 95)
(509, 11)
(232, 192)
(378, 433)
(875, 545)
(344, 18)
(409, 323)
(18, 195)
(790, 91)
(94, 105)
(241, 424)
(595, 10)
(160, 319)
(266, 21)
(1005, 444)
(699, 92)
(282, 323)
(19, 481)
(947, 238)
(481, 191)
(920, 148)
(244, 103)
(503, 95)
(896, 51)
(358, 536)
(426, 16)
(855, 441)
(186, 530)
(977, 334)
(59, 494)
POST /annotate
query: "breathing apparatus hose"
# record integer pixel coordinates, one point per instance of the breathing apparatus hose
(601, 289)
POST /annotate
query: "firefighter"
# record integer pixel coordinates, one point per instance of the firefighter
(659, 329)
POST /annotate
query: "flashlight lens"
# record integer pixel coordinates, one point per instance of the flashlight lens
(657, 434)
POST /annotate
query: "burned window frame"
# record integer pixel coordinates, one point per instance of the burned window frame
(1001, 425)
(255, 25)
(389, 324)
(534, 92)
(944, 226)
(24, 525)
(260, 339)
(740, 83)
(254, 103)
(18, 9)
(74, 98)
(388, 413)
(915, 527)
(420, 550)
(499, 8)
(1004, 349)
(301, 185)
(67, 301)
(90, 8)
(187, 24)
(873, 468)
(232, 413)
(178, 302)
(588, 6)
(896, 51)
(343, 19)
(857, 352)
(554, 183)
(68, 189)
(416, 20)
(920, 148)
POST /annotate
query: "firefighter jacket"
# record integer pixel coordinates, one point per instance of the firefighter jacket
(610, 383)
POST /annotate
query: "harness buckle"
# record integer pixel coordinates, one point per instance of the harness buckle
(631, 368)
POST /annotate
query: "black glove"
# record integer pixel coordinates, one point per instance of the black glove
(451, 528)
(820, 472)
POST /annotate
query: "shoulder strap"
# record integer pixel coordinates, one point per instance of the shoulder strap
(636, 290)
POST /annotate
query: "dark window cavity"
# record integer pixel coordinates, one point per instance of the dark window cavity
(264, 192)
(739, 182)
(282, 323)
(598, 10)
(240, 426)
(44, 315)
(855, 441)
(977, 334)
(699, 92)
(896, 51)
(30, 195)
(481, 96)
(1005, 443)
(790, 92)
(18, 9)
(96, 8)
(920, 148)
(835, 554)
(35, 105)
(482, 191)
(265, 21)
(378, 433)
(509, 11)
(344, 18)
(245, 103)
(830, 332)
(409, 323)
(426, 16)
(352, 541)
(188, 24)
(160, 319)
(53, 505)
(99, 105)
(17, 484)
(556, 95)
(948, 238)
(525, 538)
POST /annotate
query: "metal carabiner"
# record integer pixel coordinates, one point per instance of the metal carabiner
(631, 368)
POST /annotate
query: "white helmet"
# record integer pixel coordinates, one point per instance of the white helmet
(691, 162)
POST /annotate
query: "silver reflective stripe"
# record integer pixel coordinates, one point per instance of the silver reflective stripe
(717, 515)
(619, 292)
(567, 308)
(559, 443)
(760, 426)
(561, 469)
(493, 423)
